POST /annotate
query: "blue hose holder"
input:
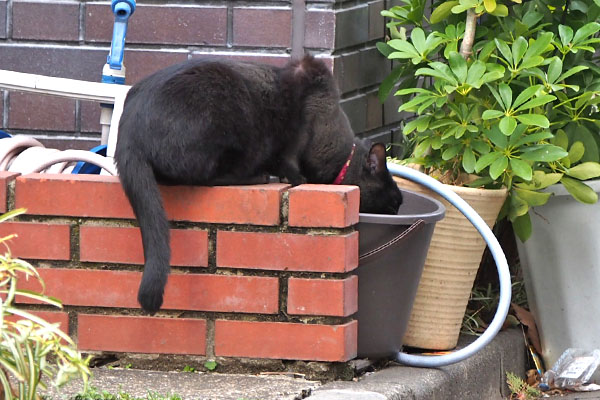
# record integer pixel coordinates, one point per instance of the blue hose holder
(122, 9)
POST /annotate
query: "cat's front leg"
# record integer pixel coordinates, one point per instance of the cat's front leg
(289, 170)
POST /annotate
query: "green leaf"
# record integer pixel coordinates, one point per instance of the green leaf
(586, 31)
(498, 167)
(504, 50)
(518, 206)
(537, 102)
(210, 365)
(476, 71)
(566, 34)
(561, 139)
(389, 83)
(442, 11)
(522, 227)
(521, 169)
(534, 119)
(417, 37)
(533, 138)
(533, 198)
(583, 171)
(451, 152)
(539, 46)
(507, 125)
(500, 11)
(526, 94)
(544, 152)
(458, 65)
(581, 133)
(554, 69)
(438, 70)
(531, 62)
(506, 94)
(422, 148)
(490, 5)
(496, 137)
(579, 190)
(541, 180)
(491, 114)
(572, 71)
(384, 48)
(468, 161)
(576, 153)
(404, 49)
(486, 160)
(519, 47)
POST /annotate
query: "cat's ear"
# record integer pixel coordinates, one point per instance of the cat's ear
(306, 72)
(377, 159)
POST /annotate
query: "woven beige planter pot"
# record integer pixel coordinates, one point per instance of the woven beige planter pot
(450, 268)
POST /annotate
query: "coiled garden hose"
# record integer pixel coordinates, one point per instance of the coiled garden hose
(501, 265)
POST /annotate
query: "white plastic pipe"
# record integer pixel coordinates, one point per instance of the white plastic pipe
(105, 163)
(501, 265)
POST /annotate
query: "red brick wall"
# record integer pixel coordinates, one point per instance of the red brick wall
(257, 271)
(71, 39)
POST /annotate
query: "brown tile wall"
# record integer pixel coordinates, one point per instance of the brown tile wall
(71, 39)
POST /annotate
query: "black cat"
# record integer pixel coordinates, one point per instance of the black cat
(207, 122)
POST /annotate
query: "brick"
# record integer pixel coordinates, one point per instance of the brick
(65, 142)
(141, 334)
(5, 178)
(90, 116)
(250, 204)
(328, 297)
(278, 60)
(164, 24)
(319, 29)
(45, 20)
(74, 195)
(47, 194)
(285, 340)
(189, 247)
(218, 293)
(53, 317)
(141, 63)
(275, 27)
(374, 111)
(352, 26)
(223, 293)
(64, 62)
(356, 109)
(2, 19)
(38, 241)
(376, 21)
(287, 251)
(40, 112)
(324, 206)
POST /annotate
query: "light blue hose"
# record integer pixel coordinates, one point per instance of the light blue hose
(501, 265)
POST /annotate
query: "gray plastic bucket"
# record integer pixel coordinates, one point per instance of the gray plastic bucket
(392, 252)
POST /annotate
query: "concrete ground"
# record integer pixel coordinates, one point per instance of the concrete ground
(480, 377)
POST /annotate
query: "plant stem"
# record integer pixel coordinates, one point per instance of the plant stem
(466, 46)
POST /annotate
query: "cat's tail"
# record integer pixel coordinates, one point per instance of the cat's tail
(140, 186)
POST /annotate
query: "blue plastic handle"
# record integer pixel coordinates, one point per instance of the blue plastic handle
(122, 10)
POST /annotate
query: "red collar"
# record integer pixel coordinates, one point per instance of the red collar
(338, 180)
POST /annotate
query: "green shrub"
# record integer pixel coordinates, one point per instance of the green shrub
(33, 352)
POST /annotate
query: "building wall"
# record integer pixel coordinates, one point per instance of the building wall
(71, 39)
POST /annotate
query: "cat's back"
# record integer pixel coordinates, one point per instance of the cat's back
(207, 76)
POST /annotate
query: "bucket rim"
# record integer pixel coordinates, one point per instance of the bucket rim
(407, 219)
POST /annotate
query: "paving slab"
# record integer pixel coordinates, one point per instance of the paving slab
(480, 377)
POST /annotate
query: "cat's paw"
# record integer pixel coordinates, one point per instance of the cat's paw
(150, 300)
(297, 180)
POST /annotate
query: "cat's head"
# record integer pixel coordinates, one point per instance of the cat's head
(379, 194)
